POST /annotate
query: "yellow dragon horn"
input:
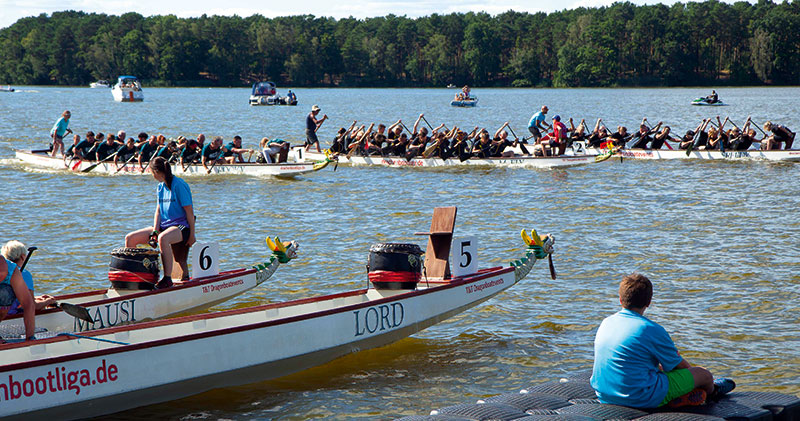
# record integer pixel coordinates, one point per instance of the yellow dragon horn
(279, 244)
(536, 239)
(270, 244)
(526, 238)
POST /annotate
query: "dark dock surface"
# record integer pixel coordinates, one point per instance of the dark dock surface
(572, 398)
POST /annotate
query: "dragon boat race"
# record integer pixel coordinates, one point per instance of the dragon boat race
(354, 227)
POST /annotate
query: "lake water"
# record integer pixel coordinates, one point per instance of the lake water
(719, 239)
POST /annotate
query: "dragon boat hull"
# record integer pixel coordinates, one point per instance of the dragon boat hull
(792, 155)
(42, 159)
(519, 161)
(113, 307)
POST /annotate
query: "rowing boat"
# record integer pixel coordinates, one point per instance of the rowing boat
(42, 159)
(116, 306)
(114, 369)
(571, 158)
(791, 155)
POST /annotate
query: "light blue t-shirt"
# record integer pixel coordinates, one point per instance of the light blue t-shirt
(536, 117)
(11, 267)
(28, 278)
(172, 201)
(628, 348)
(60, 128)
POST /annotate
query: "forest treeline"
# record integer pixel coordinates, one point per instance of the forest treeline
(619, 45)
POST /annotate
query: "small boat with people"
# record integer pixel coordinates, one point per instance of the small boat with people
(266, 93)
(132, 297)
(7, 88)
(114, 369)
(127, 89)
(102, 83)
(464, 98)
(575, 155)
(711, 100)
(41, 158)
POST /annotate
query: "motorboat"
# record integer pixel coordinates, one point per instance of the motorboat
(266, 93)
(100, 84)
(127, 89)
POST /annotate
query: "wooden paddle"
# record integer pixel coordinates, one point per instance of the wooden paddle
(125, 164)
(521, 145)
(426, 122)
(71, 309)
(93, 166)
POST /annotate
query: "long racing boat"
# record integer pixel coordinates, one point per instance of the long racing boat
(791, 155)
(115, 369)
(119, 306)
(571, 158)
(41, 158)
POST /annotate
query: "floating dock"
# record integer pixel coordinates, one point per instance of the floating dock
(572, 398)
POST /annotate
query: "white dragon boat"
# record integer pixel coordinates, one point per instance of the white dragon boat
(127, 89)
(791, 155)
(41, 158)
(117, 306)
(114, 369)
(574, 156)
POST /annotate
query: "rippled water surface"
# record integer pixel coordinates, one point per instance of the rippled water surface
(719, 239)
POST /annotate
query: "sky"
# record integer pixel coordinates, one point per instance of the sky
(11, 10)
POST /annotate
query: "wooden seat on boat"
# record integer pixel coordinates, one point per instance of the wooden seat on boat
(440, 239)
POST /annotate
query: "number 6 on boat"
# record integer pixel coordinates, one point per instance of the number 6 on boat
(205, 260)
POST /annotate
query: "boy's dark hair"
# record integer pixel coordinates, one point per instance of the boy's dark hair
(635, 291)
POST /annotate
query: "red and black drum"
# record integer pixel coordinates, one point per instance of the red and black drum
(134, 268)
(394, 265)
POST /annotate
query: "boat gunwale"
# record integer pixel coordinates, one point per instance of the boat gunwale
(456, 282)
(41, 154)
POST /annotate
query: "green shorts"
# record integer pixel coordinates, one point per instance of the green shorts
(681, 382)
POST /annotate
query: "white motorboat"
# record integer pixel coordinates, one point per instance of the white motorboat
(127, 89)
(100, 84)
(41, 158)
(265, 93)
(114, 369)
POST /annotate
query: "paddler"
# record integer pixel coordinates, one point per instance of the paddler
(636, 363)
(173, 222)
(12, 287)
(16, 252)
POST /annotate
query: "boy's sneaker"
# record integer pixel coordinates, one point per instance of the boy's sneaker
(722, 386)
(694, 398)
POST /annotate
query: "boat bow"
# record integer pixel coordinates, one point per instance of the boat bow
(538, 248)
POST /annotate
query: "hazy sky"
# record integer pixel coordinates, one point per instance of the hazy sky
(11, 10)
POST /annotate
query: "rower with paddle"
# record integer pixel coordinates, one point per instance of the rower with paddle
(12, 287)
(16, 252)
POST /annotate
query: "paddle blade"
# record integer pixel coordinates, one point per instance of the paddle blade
(76, 311)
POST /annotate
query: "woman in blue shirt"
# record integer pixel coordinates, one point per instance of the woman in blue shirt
(59, 130)
(173, 222)
(12, 287)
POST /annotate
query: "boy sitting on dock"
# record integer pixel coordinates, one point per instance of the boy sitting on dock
(636, 363)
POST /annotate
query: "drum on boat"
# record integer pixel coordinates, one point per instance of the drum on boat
(134, 268)
(394, 265)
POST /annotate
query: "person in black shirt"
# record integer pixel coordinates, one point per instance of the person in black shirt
(147, 151)
(312, 125)
(106, 149)
(125, 153)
